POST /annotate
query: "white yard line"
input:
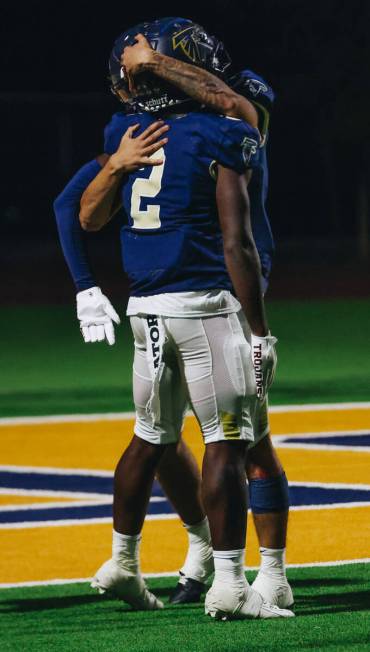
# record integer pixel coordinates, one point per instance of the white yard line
(26, 525)
(324, 433)
(55, 470)
(83, 580)
(125, 416)
(300, 508)
(322, 447)
(329, 485)
(67, 418)
(29, 507)
(318, 407)
(53, 494)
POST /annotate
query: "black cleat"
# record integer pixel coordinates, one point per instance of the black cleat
(188, 592)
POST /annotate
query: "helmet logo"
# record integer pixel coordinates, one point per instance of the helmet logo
(256, 86)
(185, 41)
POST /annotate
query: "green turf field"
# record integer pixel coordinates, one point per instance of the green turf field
(331, 608)
(46, 368)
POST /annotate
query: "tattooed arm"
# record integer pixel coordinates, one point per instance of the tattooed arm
(201, 85)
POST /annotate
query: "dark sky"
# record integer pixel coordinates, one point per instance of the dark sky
(315, 54)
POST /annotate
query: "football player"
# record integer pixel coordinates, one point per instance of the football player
(269, 499)
(179, 288)
(178, 471)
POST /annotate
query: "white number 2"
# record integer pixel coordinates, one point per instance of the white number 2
(150, 187)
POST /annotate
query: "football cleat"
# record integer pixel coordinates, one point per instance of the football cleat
(224, 602)
(274, 590)
(131, 588)
(187, 591)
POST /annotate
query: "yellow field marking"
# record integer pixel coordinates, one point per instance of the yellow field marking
(28, 500)
(68, 552)
(96, 445)
(326, 466)
(319, 421)
(99, 444)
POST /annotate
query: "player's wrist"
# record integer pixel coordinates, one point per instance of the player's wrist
(88, 292)
(117, 165)
(261, 332)
(150, 62)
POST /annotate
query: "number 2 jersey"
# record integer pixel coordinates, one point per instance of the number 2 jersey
(171, 239)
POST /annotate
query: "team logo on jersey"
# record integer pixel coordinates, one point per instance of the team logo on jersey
(186, 42)
(256, 86)
(249, 148)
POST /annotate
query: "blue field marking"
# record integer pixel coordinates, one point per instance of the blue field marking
(350, 441)
(101, 487)
(333, 440)
(70, 512)
(58, 482)
(311, 495)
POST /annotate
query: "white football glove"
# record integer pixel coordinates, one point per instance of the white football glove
(96, 315)
(264, 362)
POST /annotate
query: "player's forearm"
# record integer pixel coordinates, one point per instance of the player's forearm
(243, 265)
(240, 251)
(98, 203)
(202, 86)
(72, 238)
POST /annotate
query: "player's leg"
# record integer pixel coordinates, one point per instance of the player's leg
(269, 502)
(180, 478)
(133, 481)
(134, 478)
(268, 494)
(219, 375)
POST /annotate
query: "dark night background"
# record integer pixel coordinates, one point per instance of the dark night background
(55, 102)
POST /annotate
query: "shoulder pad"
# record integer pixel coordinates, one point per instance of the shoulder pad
(239, 144)
(255, 88)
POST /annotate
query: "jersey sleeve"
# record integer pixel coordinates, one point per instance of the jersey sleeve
(71, 236)
(238, 145)
(113, 133)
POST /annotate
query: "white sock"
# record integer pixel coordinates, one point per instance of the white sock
(229, 567)
(125, 551)
(273, 562)
(198, 563)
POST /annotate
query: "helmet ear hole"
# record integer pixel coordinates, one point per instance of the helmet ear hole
(175, 37)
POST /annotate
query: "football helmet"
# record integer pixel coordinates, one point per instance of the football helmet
(175, 37)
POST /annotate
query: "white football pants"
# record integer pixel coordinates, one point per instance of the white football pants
(202, 362)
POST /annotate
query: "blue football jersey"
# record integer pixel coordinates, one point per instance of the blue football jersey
(261, 228)
(258, 91)
(172, 240)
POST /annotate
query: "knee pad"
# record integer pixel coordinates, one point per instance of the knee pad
(269, 495)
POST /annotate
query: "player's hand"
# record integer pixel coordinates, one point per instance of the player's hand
(264, 362)
(96, 315)
(134, 153)
(135, 58)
